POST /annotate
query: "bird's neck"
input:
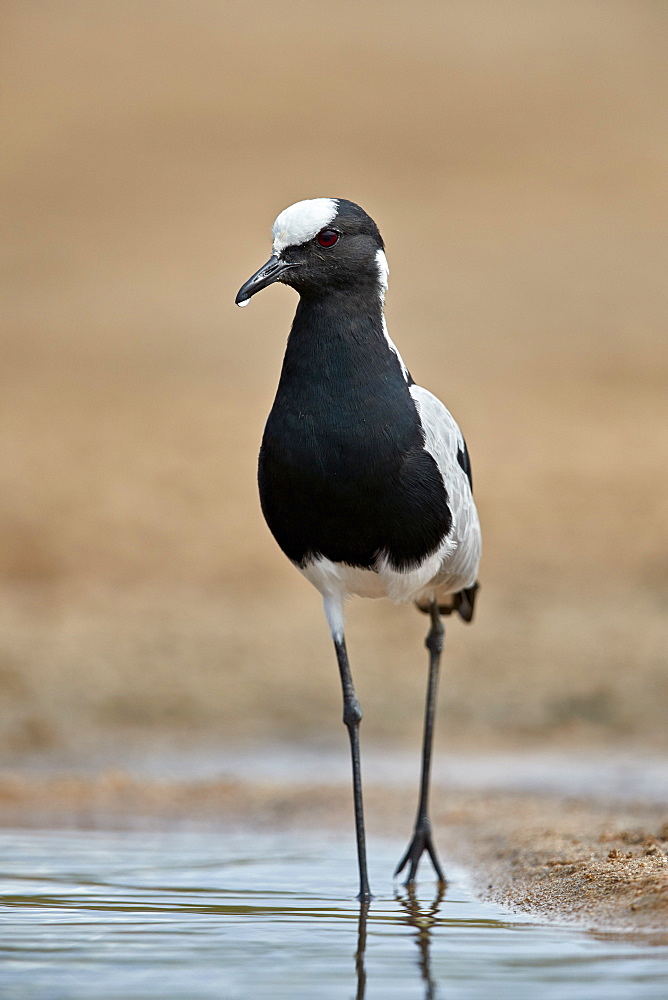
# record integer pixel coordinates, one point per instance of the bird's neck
(339, 341)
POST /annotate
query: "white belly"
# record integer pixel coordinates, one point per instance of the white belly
(452, 567)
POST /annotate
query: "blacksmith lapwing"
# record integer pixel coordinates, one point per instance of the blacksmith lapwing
(365, 480)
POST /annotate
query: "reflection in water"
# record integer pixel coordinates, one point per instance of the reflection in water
(422, 918)
(361, 948)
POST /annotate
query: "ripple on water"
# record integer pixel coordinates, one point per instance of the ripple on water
(193, 915)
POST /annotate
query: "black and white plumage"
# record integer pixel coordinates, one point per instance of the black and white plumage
(364, 476)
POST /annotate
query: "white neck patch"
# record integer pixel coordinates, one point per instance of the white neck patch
(302, 221)
(383, 273)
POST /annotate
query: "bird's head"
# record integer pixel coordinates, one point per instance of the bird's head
(322, 245)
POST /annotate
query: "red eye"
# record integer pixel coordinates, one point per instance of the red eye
(327, 238)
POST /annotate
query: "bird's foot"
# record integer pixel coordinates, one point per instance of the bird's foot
(421, 842)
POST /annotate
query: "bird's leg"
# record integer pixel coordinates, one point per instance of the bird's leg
(352, 715)
(422, 840)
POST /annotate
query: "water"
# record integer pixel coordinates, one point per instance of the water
(202, 914)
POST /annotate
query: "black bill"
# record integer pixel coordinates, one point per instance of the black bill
(268, 273)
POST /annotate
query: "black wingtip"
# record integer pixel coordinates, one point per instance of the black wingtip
(466, 605)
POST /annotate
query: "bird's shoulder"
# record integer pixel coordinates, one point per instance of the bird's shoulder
(444, 439)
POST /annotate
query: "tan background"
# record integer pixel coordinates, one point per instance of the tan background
(515, 157)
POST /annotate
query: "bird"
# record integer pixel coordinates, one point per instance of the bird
(364, 476)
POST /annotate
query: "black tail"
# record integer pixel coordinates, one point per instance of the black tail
(463, 603)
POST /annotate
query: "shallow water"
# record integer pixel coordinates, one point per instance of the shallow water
(202, 914)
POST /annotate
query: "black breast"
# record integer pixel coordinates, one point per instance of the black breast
(343, 472)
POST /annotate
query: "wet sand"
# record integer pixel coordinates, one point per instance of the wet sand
(603, 867)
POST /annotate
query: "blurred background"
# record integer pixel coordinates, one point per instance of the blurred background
(514, 155)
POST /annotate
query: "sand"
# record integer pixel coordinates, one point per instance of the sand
(601, 867)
